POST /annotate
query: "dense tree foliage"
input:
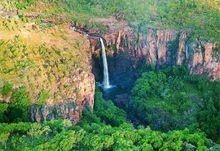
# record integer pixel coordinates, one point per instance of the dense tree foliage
(62, 135)
(14, 106)
(174, 99)
(94, 133)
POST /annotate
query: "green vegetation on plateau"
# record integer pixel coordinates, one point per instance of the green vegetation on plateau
(200, 17)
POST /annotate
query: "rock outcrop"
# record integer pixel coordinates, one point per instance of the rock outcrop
(129, 52)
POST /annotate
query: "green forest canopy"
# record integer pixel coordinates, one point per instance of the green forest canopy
(103, 129)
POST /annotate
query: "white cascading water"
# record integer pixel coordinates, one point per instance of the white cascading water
(106, 83)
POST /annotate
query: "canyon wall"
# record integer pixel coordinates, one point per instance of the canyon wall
(130, 52)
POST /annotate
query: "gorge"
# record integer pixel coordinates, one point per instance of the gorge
(109, 75)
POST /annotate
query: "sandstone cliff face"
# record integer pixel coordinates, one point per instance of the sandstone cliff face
(128, 52)
(71, 104)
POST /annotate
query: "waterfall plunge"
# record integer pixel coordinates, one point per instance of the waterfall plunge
(106, 83)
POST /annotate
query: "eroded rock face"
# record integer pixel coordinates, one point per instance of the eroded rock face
(72, 107)
(204, 59)
(129, 52)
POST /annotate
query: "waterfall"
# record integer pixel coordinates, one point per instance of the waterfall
(106, 83)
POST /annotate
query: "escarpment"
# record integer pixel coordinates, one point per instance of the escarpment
(130, 52)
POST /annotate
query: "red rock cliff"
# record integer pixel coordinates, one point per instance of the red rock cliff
(128, 50)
